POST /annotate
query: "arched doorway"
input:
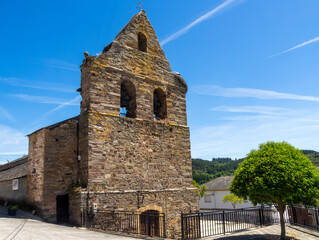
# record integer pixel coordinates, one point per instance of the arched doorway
(150, 223)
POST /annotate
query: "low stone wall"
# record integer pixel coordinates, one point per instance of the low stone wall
(170, 202)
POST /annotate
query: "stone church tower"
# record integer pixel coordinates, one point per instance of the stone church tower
(133, 135)
(130, 146)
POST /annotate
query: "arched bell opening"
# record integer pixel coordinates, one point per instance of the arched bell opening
(128, 99)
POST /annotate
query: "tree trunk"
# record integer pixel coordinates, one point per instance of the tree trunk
(281, 209)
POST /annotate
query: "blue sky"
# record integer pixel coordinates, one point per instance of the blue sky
(252, 67)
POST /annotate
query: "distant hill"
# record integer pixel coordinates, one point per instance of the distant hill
(205, 170)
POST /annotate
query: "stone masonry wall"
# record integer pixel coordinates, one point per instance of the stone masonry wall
(121, 60)
(127, 153)
(83, 148)
(52, 166)
(171, 202)
(77, 204)
(60, 167)
(35, 174)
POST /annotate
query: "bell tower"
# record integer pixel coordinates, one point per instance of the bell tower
(133, 136)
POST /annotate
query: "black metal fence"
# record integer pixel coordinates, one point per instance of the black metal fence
(304, 216)
(205, 224)
(150, 223)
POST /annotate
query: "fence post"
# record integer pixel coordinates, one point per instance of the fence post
(262, 215)
(182, 222)
(294, 214)
(199, 230)
(224, 227)
(316, 216)
(164, 224)
(260, 221)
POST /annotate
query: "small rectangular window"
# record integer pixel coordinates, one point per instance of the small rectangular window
(15, 184)
(208, 198)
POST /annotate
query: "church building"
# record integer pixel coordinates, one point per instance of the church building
(129, 149)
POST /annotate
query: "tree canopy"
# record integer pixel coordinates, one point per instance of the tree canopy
(277, 173)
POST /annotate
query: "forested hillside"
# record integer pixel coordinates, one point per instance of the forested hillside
(205, 170)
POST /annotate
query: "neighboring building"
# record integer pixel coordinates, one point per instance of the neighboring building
(216, 190)
(129, 147)
(13, 180)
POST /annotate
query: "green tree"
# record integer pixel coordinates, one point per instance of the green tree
(233, 199)
(278, 174)
(201, 190)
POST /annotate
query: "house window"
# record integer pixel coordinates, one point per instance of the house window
(208, 198)
(142, 42)
(128, 99)
(159, 104)
(15, 184)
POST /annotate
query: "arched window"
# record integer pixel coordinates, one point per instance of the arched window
(159, 104)
(128, 99)
(142, 42)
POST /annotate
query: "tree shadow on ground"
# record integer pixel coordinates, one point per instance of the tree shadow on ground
(256, 237)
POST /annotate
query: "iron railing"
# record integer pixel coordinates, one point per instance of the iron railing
(304, 216)
(205, 224)
(150, 223)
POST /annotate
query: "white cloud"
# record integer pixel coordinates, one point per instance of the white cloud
(74, 102)
(38, 123)
(298, 46)
(13, 142)
(44, 99)
(235, 138)
(4, 113)
(253, 109)
(60, 64)
(18, 82)
(197, 21)
(214, 90)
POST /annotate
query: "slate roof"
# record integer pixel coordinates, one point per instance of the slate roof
(14, 169)
(221, 183)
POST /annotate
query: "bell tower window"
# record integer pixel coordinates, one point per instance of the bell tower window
(128, 99)
(142, 42)
(159, 104)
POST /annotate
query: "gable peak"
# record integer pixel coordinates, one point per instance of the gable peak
(138, 33)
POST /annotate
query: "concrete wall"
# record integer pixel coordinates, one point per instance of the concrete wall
(7, 194)
(216, 201)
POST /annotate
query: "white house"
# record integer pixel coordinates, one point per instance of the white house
(216, 190)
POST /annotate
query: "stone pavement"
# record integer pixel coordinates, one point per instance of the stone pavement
(271, 233)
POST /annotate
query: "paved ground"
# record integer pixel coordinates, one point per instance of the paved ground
(27, 227)
(271, 233)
